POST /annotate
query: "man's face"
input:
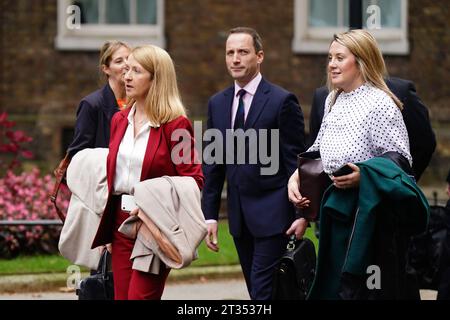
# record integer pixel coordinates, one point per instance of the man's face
(448, 189)
(243, 62)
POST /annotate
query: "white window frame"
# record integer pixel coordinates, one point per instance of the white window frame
(91, 36)
(311, 40)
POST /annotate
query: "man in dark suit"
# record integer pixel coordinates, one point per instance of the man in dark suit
(259, 212)
(422, 140)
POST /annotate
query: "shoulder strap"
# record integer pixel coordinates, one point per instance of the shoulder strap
(60, 174)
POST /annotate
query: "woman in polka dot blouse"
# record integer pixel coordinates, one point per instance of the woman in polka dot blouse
(370, 223)
(362, 116)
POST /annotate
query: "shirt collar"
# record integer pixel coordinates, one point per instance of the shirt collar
(131, 116)
(249, 87)
(363, 87)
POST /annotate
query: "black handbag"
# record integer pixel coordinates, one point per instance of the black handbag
(99, 286)
(295, 272)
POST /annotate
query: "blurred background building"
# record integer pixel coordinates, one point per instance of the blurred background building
(48, 64)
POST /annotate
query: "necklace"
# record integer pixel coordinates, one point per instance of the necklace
(139, 122)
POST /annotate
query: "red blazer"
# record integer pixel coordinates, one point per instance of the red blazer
(157, 163)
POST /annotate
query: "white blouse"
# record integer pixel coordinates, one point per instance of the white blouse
(362, 124)
(131, 156)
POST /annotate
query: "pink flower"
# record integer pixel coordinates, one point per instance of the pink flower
(25, 196)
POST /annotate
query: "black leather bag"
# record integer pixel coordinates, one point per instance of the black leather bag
(295, 272)
(99, 286)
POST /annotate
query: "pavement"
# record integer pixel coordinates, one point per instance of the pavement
(201, 289)
(193, 283)
(55, 282)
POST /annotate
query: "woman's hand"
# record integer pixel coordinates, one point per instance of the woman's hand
(107, 247)
(349, 180)
(294, 193)
(134, 213)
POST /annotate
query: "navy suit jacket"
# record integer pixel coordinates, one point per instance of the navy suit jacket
(422, 141)
(259, 199)
(94, 114)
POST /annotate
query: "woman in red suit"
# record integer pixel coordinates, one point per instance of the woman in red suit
(140, 148)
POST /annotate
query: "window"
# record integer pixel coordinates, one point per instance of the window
(87, 24)
(317, 20)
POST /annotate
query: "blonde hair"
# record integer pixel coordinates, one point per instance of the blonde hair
(163, 102)
(369, 60)
(106, 53)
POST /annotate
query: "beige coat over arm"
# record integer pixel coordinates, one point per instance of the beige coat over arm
(173, 205)
(86, 179)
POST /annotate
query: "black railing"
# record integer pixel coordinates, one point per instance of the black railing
(42, 222)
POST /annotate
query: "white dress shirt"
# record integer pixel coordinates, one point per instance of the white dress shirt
(131, 156)
(362, 124)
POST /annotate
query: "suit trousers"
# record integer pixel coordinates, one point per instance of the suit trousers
(258, 258)
(132, 284)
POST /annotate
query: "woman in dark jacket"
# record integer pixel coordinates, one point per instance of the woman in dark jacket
(94, 114)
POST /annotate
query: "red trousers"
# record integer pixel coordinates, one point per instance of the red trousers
(131, 284)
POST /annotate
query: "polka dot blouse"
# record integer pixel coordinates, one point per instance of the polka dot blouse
(362, 124)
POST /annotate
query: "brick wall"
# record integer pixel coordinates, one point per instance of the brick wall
(42, 86)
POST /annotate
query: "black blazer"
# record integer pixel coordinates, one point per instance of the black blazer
(93, 124)
(422, 141)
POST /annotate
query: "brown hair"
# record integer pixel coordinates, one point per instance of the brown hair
(257, 42)
(106, 53)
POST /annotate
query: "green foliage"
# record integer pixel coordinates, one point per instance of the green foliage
(227, 252)
(34, 264)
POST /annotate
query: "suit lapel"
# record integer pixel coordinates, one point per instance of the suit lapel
(228, 105)
(110, 106)
(258, 104)
(114, 146)
(152, 145)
